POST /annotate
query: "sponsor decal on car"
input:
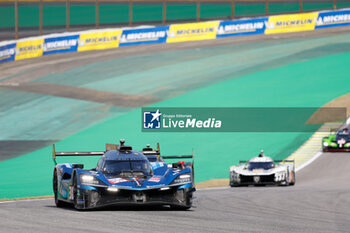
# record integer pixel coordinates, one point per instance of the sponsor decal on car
(341, 142)
(136, 180)
(259, 171)
(256, 179)
(117, 180)
(71, 192)
(154, 179)
(156, 165)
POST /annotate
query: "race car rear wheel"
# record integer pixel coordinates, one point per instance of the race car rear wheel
(55, 190)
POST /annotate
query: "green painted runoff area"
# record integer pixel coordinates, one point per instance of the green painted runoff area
(304, 84)
(83, 14)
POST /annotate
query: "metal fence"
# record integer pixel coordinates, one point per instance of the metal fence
(22, 18)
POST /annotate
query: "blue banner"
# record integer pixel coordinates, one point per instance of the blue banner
(333, 19)
(144, 36)
(62, 44)
(7, 52)
(241, 27)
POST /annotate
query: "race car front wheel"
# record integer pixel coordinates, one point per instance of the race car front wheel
(293, 179)
(75, 192)
(55, 190)
(185, 196)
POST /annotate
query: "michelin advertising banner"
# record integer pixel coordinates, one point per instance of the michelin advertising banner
(99, 40)
(144, 36)
(105, 39)
(242, 27)
(333, 18)
(61, 44)
(29, 49)
(7, 52)
(291, 23)
(192, 31)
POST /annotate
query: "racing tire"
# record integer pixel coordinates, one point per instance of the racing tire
(187, 199)
(324, 149)
(58, 203)
(75, 193)
(293, 182)
(233, 185)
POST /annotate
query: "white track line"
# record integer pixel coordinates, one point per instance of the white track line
(318, 154)
(214, 188)
(37, 199)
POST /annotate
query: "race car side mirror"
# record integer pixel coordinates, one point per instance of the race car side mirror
(78, 165)
(178, 165)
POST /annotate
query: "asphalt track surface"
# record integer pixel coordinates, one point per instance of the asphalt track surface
(319, 202)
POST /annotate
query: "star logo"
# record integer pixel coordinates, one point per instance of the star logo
(152, 120)
(156, 115)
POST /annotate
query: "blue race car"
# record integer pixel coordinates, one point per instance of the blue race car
(123, 176)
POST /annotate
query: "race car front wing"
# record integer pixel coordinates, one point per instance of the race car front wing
(100, 197)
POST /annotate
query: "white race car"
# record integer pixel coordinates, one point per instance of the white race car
(262, 170)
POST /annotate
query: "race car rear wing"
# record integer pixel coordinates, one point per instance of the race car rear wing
(178, 157)
(275, 161)
(175, 156)
(86, 153)
(333, 130)
(284, 161)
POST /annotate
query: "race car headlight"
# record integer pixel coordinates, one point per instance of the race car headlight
(325, 143)
(88, 179)
(112, 189)
(184, 178)
(234, 175)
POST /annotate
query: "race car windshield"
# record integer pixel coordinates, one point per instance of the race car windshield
(119, 167)
(341, 135)
(260, 165)
(152, 159)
